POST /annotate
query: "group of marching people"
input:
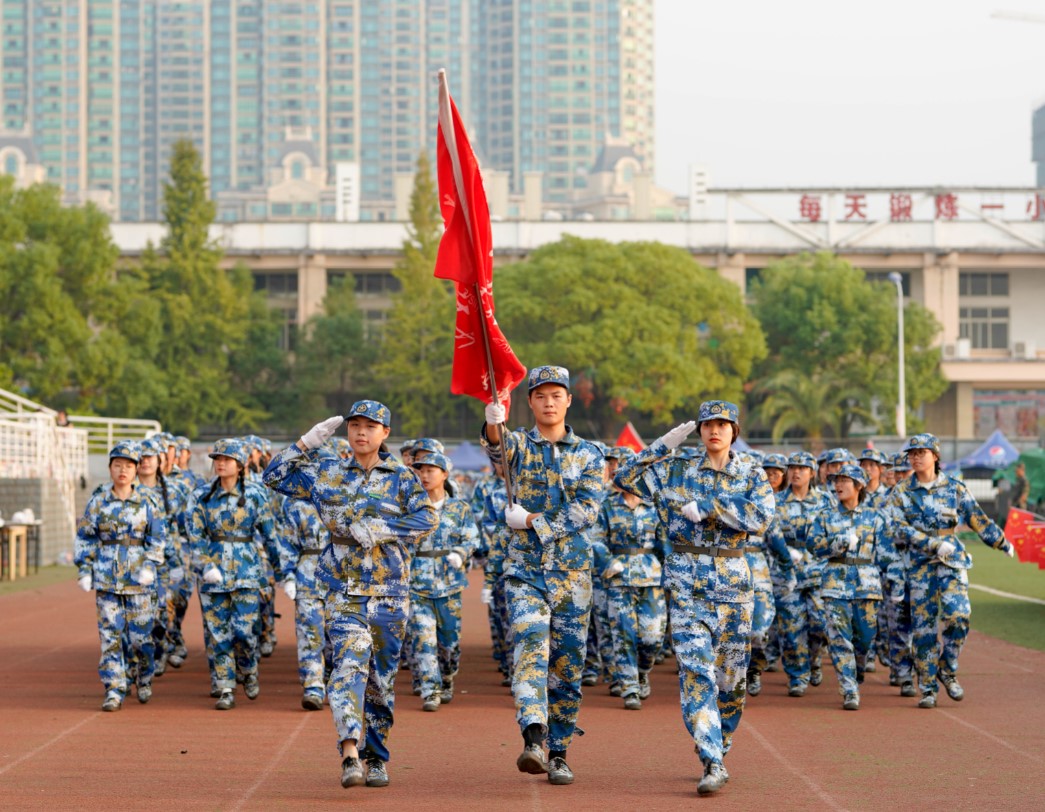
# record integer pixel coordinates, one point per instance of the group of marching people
(597, 562)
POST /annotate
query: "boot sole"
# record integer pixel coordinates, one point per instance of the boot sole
(352, 781)
(312, 703)
(531, 764)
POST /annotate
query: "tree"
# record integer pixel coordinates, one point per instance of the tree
(642, 327)
(808, 404)
(334, 358)
(204, 309)
(56, 265)
(823, 320)
(416, 355)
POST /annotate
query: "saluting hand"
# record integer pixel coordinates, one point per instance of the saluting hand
(673, 439)
(321, 432)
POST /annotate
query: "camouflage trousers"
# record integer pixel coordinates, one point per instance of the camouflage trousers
(638, 616)
(549, 620)
(500, 628)
(599, 659)
(311, 631)
(802, 633)
(434, 630)
(939, 609)
(712, 643)
(851, 628)
(763, 614)
(366, 636)
(177, 605)
(266, 627)
(125, 624)
(894, 631)
(231, 621)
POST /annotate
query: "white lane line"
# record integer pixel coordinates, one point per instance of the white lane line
(820, 793)
(273, 762)
(1010, 595)
(45, 745)
(1035, 758)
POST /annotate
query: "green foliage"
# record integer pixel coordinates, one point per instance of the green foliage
(416, 356)
(641, 326)
(806, 404)
(55, 264)
(825, 322)
(334, 359)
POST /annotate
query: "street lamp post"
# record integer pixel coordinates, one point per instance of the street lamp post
(901, 400)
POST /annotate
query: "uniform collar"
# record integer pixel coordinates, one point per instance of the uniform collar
(385, 462)
(135, 495)
(569, 438)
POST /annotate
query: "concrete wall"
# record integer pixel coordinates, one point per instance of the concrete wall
(57, 532)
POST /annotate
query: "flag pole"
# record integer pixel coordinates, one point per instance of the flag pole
(446, 122)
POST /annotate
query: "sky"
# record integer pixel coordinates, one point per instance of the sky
(835, 92)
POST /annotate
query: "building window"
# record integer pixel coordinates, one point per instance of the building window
(987, 328)
(374, 324)
(376, 284)
(983, 284)
(277, 284)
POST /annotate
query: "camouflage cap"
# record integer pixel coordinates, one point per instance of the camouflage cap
(923, 441)
(436, 459)
(183, 443)
(837, 455)
(429, 444)
(548, 374)
(231, 447)
(152, 447)
(874, 455)
(900, 462)
(619, 452)
(126, 450)
(801, 459)
(853, 471)
(372, 410)
(775, 461)
(718, 410)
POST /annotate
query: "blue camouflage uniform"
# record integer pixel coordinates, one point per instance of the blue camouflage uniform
(368, 580)
(924, 516)
(876, 500)
(548, 568)
(435, 593)
(494, 535)
(859, 556)
(626, 535)
(800, 608)
(304, 537)
(229, 531)
(116, 540)
(599, 659)
(707, 575)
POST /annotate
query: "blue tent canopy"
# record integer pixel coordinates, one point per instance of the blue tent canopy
(469, 457)
(996, 452)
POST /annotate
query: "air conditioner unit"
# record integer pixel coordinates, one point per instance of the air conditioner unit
(1025, 350)
(949, 351)
(963, 348)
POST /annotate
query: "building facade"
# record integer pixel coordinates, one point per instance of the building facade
(284, 98)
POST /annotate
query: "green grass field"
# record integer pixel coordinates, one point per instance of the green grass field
(45, 577)
(1015, 621)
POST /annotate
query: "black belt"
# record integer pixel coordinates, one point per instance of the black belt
(309, 552)
(846, 559)
(717, 552)
(233, 539)
(753, 550)
(124, 542)
(631, 551)
(432, 553)
(344, 541)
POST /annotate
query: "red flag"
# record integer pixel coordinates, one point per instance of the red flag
(466, 257)
(629, 438)
(1016, 523)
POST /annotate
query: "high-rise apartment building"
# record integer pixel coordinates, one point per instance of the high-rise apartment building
(277, 94)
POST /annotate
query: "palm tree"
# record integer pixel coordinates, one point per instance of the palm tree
(809, 404)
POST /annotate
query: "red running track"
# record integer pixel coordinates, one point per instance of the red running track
(58, 751)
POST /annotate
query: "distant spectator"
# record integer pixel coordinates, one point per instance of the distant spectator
(1021, 490)
(62, 419)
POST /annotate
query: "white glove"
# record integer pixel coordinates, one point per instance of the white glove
(147, 576)
(176, 575)
(796, 555)
(515, 516)
(454, 560)
(692, 512)
(674, 438)
(945, 550)
(84, 582)
(361, 532)
(616, 568)
(1009, 549)
(853, 541)
(896, 595)
(486, 596)
(494, 412)
(321, 432)
(212, 575)
(291, 588)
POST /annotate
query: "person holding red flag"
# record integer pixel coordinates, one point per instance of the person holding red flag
(556, 492)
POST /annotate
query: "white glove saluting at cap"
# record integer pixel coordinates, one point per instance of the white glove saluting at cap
(321, 432)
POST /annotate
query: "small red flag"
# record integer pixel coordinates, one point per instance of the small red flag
(629, 438)
(1016, 523)
(466, 257)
